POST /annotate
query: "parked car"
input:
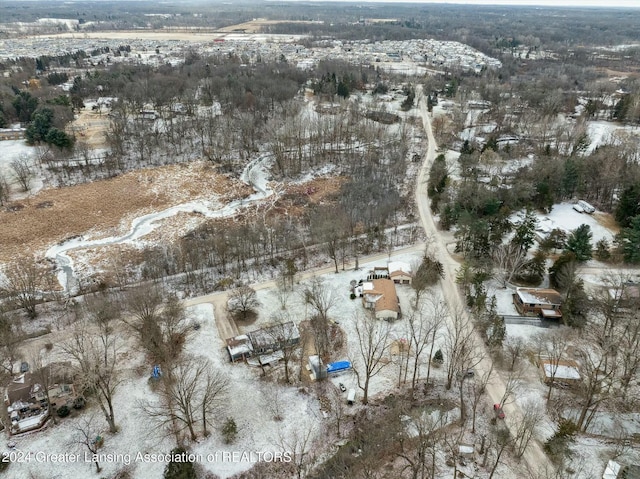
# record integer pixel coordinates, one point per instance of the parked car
(586, 207)
(469, 373)
(578, 208)
(342, 387)
(497, 409)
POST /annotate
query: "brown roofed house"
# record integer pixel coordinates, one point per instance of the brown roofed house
(545, 303)
(380, 295)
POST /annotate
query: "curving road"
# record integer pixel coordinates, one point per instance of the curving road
(534, 456)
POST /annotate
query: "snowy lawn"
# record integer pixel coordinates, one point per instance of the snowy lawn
(564, 217)
(11, 150)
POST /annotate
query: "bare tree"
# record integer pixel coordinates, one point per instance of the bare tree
(338, 410)
(514, 347)
(9, 343)
(87, 435)
(283, 291)
(189, 393)
(502, 440)
(23, 171)
(41, 372)
(274, 402)
(160, 329)
(4, 190)
(468, 357)
(555, 345)
(597, 374)
(321, 298)
(373, 346)
(94, 349)
(419, 443)
(282, 333)
(242, 301)
(511, 386)
(329, 226)
(299, 443)
(423, 324)
(526, 425)
(459, 344)
(628, 350)
(478, 387)
(22, 282)
(508, 259)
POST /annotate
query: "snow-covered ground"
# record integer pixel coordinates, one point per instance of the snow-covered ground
(248, 404)
(11, 150)
(564, 217)
(604, 132)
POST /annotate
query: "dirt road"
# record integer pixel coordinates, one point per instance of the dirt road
(534, 455)
(226, 325)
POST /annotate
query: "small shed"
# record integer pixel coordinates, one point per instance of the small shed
(563, 371)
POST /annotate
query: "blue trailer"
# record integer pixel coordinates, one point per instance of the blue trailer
(338, 366)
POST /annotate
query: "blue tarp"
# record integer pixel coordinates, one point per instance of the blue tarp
(338, 366)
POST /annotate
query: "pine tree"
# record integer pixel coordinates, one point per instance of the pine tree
(629, 239)
(579, 243)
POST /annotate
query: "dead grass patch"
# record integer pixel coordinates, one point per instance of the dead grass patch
(608, 221)
(90, 128)
(255, 26)
(107, 207)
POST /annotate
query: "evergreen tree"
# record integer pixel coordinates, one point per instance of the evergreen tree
(557, 276)
(629, 205)
(579, 243)
(39, 126)
(437, 183)
(25, 105)
(58, 138)
(526, 231)
(497, 330)
(343, 89)
(629, 240)
(229, 430)
(179, 470)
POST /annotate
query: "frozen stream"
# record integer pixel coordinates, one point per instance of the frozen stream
(255, 174)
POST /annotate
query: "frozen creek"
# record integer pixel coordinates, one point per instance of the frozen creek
(254, 174)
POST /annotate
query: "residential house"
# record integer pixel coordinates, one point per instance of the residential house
(26, 402)
(263, 341)
(239, 348)
(400, 272)
(545, 303)
(380, 295)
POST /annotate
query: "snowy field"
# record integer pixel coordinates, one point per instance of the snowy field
(248, 404)
(564, 217)
(11, 150)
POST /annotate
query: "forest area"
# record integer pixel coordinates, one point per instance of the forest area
(310, 169)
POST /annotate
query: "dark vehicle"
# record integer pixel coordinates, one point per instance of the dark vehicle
(469, 373)
(342, 387)
(497, 409)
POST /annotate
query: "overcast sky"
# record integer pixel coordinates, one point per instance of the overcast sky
(551, 3)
